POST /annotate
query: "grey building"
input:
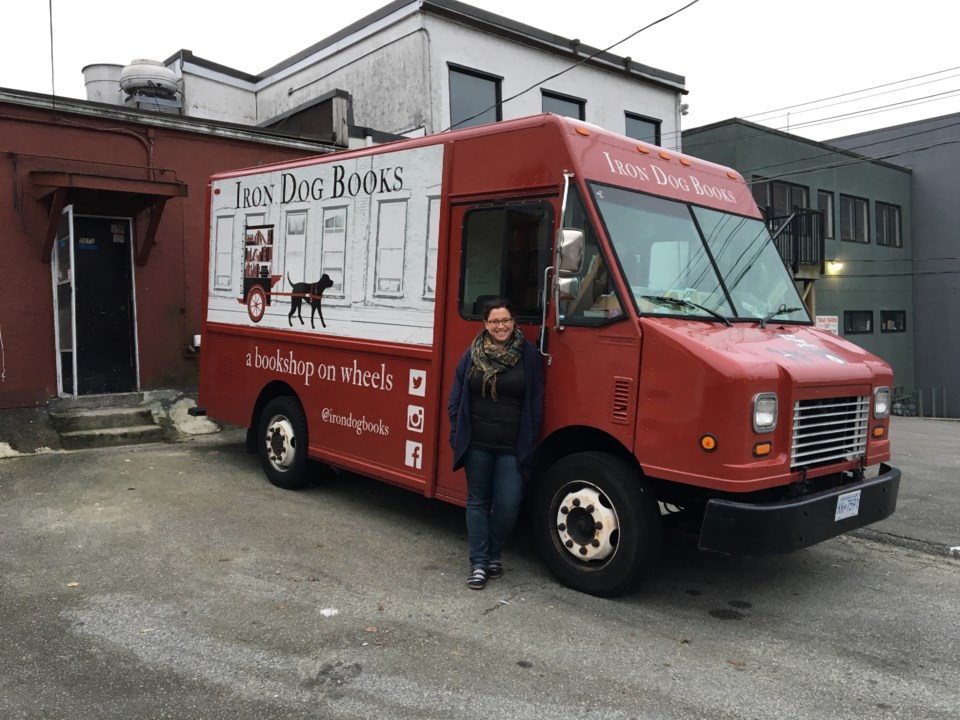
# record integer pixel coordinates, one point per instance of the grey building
(845, 232)
(930, 149)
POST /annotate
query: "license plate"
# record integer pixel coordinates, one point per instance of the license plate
(848, 505)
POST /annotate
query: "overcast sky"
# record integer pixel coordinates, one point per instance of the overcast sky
(883, 62)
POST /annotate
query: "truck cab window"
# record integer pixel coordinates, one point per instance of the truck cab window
(505, 251)
(595, 300)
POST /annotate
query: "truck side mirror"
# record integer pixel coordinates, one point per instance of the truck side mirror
(568, 287)
(570, 248)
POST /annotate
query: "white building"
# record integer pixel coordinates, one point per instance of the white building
(418, 67)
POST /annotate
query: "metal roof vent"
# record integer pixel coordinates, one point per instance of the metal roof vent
(150, 85)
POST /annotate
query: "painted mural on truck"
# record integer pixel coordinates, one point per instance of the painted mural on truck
(345, 248)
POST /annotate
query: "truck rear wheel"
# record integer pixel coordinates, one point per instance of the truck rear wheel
(282, 443)
(597, 523)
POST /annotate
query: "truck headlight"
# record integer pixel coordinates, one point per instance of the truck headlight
(764, 412)
(881, 402)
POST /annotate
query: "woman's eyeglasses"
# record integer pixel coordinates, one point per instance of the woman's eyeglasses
(503, 321)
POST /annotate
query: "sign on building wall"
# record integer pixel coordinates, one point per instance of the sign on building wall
(829, 323)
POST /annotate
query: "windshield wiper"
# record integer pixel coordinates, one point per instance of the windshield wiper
(683, 302)
(782, 310)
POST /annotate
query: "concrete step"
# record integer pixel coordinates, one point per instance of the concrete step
(100, 418)
(93, 402)
(111, 436)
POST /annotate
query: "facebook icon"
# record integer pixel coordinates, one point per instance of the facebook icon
(414, 456)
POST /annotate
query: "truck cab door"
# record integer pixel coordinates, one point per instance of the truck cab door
(595, 349)
(498, 248)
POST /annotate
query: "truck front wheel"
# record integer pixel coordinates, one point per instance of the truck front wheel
(282, 443)
(597, 523)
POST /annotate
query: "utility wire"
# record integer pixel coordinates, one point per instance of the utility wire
(810, 123)
(575, 65)
(865, 97)
(834, 118)
(857, 161)
(857, 92)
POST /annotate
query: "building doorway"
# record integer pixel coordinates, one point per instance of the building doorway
(95, 305)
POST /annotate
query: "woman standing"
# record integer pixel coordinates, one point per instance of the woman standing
(496, 409)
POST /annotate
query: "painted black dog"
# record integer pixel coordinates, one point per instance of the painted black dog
(312, 293)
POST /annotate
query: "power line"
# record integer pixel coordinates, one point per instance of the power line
(857, 161)
(866, 111)
(896, 274)
(575, 65)
(847, 116)
(857, 92)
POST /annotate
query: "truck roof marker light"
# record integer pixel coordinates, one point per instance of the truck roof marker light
(642, 149)
(708, 443)
(582, 131)
(762, 449)
(684, 161)
(732, 175)
(878, 432)
(664, 155)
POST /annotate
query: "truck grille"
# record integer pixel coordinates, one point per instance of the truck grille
(828, 430)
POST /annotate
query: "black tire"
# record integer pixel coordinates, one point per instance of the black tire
(597, 523)
(282, 443)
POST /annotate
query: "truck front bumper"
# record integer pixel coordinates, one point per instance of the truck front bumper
(757, 529)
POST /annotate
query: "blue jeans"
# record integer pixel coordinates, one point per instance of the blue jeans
(494, 491)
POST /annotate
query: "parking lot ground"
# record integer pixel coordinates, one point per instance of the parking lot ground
(172, 581)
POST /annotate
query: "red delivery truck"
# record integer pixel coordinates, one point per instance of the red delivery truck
(682, 370)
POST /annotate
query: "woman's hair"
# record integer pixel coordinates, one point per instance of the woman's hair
(495, 304)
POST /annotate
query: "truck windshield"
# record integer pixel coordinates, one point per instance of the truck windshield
(720, 263)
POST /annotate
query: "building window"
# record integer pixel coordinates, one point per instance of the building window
(391, 236)
(825, 206)
(854, 223)
(332, 248)
(474, 98)
(857, 322)
(778, 199)
(563, 105)
(893, 321)
(642, 128)
(888, 225)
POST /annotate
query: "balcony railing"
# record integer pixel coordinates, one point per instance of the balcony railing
(798, 237)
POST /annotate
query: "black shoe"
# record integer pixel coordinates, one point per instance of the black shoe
(477, 579)
(495, 569)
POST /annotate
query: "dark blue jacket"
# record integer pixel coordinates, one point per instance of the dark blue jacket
(531, 413)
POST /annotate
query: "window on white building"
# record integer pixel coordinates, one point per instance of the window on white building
(642, 128)
(474, 98)
(563, 105)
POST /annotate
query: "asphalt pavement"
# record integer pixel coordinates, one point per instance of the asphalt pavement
(173, 581)
(925, 449)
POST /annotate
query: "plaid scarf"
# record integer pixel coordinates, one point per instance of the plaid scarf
(489, 360)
